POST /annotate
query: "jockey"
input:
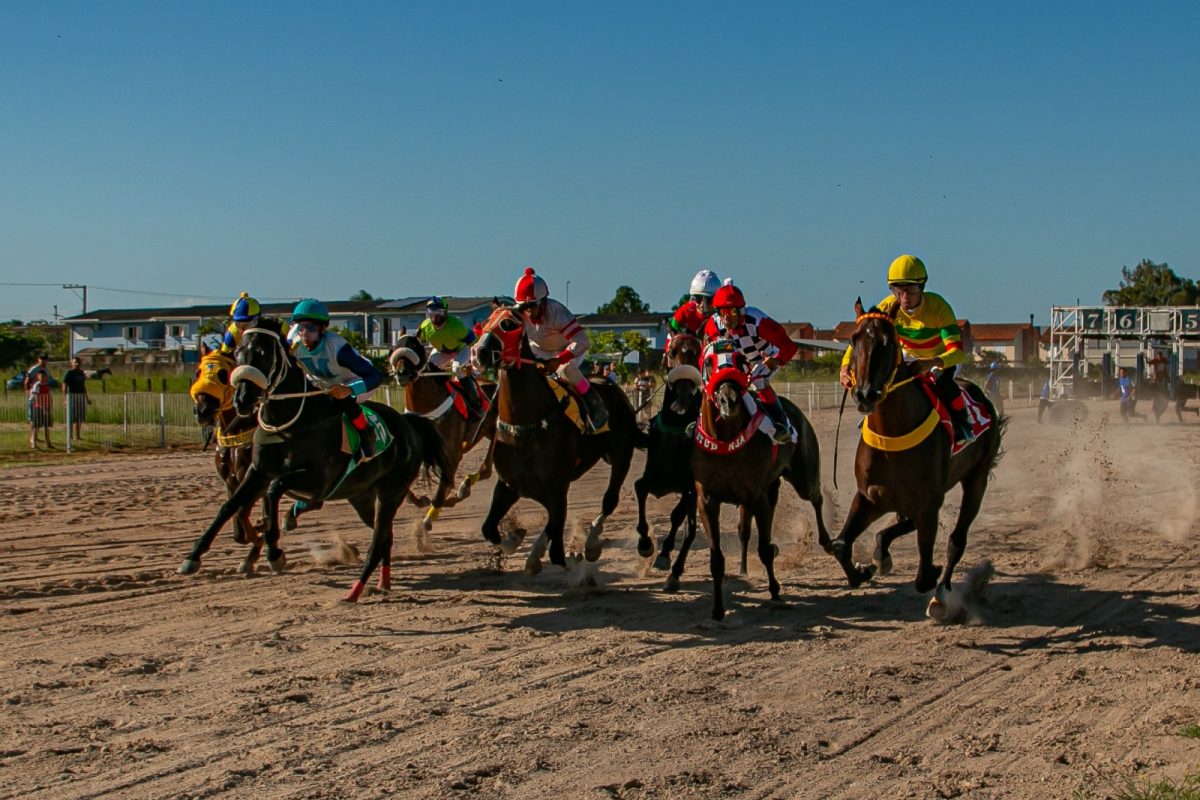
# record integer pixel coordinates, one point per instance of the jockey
(449, 340)
(928, 333)
(244, 314)
(330, 362)
(556, 337)
(761, 340)
(691, 316)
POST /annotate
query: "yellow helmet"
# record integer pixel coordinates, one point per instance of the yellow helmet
(907, 269)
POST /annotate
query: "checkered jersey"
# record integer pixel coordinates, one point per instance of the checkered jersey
(757, 337)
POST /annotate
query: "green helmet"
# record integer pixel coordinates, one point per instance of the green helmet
(437, 304)
(310, 309)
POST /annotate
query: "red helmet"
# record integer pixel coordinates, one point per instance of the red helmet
(728, 296)
(530, 288)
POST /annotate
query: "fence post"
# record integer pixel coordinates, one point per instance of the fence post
(125, 417)
(162, 417)
(67, 395)
(387, 395)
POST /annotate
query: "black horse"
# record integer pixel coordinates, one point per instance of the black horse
(299, 451)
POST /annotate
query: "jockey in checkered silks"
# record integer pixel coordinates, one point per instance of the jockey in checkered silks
(450, 343)
(763, 342)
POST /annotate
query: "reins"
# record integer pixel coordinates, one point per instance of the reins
(269, 387)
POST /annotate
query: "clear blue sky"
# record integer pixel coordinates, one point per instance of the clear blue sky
(1025, 150)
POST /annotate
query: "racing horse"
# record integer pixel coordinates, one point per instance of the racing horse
(212, 398)
(732, 463)
(300, 450)
(672, 468)
(429, 396)
(904, 462)
(540, 449)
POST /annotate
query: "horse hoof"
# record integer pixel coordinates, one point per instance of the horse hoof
(189, 567)
(718, 614)
(385, 579)
(883, 567)
(592, 552)
(936, 609)
(289, 522)
(245, 568)
(672, 585)
(645, 547)
(239, 537)
(662, 563)
(279, 564)
(353, 595)
(533, 567)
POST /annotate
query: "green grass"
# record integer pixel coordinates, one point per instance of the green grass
(1191, 731)
(1187, 789)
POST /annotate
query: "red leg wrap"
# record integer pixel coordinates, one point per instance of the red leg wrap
(385, 579)
(355, 591)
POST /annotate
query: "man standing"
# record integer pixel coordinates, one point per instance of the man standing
(76, 394)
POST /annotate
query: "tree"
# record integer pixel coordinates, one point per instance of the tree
(618, 345)
(1150, 284)
(362, 294)
(18, 349)
(683, 298)
(626, 301)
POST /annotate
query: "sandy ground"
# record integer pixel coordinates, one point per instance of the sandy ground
(1080, 668)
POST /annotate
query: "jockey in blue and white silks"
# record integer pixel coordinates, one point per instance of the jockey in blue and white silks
(332, 363)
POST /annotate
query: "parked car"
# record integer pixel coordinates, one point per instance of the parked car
(17, 382)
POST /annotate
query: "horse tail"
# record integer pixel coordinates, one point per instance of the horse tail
(431, 451)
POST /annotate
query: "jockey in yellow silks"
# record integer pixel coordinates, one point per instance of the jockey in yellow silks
(928, 332)
(243, 314)
(449, 341)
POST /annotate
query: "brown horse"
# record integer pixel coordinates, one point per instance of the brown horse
(539, 449)
(431, 397)
(907, 467)
(212, 397)
(732, 463)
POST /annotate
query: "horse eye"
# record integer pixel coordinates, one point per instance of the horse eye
(508, 325)
(223, 376)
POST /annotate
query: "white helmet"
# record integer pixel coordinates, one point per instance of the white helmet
(705, 283)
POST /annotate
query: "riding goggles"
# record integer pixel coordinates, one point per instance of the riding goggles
(307, 326)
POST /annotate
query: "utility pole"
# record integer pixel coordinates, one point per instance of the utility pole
(567, 300)
(82, 286)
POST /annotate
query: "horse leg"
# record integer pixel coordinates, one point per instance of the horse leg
(248, 491)
(744, 517)
(556, 521)
(689, 537)
(381, 548)
(503, 499)
(678, 514)
(883, 542)
(645, 547)
(620, 461)
(483, 473)
(276, 559)
(710, 515)
(764, 518)
(927, 527)
(862, 513)
(253, 538)
(974, 488)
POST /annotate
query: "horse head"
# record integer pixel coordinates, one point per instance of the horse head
(262, 359)
(876, 356)
(725, 378)
(408, 359)
(503, 343)
(683, 385)
(684, 348)
(211, 391)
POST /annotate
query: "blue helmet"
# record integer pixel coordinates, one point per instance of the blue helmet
(994, 365)
(245, 308)
(313, 310)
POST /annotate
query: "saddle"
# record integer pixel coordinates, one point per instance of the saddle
(977, 414)
(575, 409)
(350, 436)
(457, 393)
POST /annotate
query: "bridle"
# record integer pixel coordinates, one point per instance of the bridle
(268, 385)
(891, 384)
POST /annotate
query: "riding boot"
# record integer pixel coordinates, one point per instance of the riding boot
(597, 413)
(779, 418)
(962, 425)
(471, 395)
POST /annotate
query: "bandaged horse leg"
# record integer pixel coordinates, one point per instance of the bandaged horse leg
(533, 563)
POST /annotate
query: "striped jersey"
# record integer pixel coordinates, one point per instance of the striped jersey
(929, 332)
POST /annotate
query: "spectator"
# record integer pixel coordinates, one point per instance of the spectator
(75, 390)
(1044, 401)
(42, 365)
(643, 387)
(41, 407)
(1128, 391)
(991, 387)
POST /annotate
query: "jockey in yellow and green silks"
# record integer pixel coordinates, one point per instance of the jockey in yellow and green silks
(450, 340)
(928, 332)
(243, 314)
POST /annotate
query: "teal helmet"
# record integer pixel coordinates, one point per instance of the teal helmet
(437, 304)
(312, 310)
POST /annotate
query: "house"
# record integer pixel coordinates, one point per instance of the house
(651, 324)
(172, 335)
(393, 318)
(1017, 342)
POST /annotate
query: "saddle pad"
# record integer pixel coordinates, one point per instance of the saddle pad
(572, 411)
(976, 413)
(350, 437)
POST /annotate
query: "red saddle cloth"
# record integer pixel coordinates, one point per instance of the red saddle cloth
(977, 414)
(460, 401)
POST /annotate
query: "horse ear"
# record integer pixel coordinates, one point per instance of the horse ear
(858, 307)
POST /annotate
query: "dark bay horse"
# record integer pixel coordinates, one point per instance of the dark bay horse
(212, 398)
(430, 397)
(733, 463)
(665, 468)
(299, 450)
(539, 449)
(909, 467)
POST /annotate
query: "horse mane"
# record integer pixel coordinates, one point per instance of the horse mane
(272, 324)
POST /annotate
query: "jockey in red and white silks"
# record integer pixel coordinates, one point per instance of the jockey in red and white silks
(557, 338)
(764, 343)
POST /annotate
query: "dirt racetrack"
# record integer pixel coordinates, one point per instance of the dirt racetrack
(123, 679)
